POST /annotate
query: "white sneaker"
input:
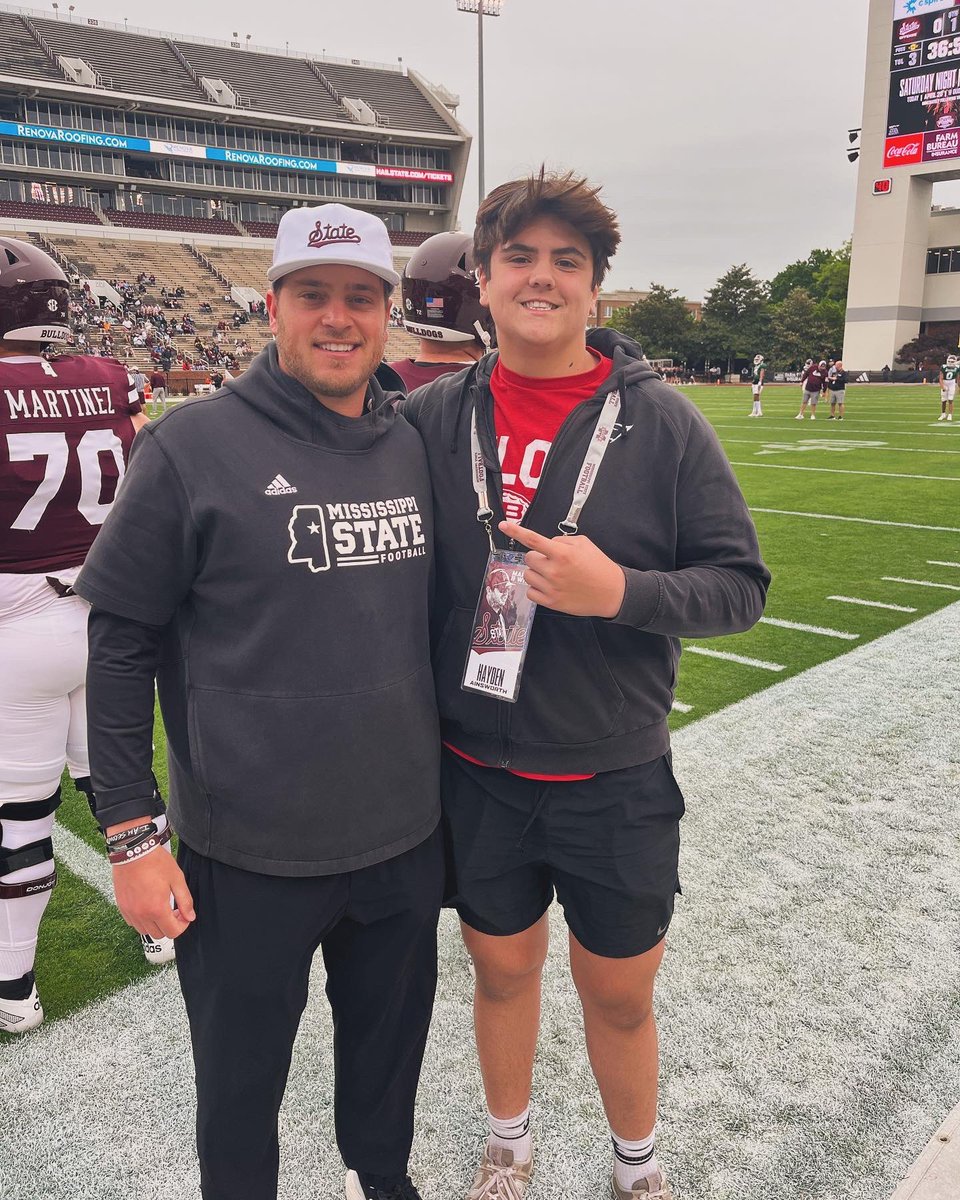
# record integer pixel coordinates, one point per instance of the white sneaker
(18, 1016)
(499, 1177)
(799, 416)
(949, 416)
(813, 416)
(157, 951)
(942, 417)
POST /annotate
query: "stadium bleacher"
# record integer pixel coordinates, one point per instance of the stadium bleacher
(125, 62)
(145, 220)
(26, 210)
(20, 46)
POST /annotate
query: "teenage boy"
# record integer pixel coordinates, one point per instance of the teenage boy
(637, 535)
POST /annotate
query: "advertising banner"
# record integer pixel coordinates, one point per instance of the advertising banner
(923, 112)
(91, 139)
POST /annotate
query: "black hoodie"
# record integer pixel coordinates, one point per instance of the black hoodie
(287, 552)
(595, 693)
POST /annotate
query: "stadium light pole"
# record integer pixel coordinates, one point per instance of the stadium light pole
(483, 8)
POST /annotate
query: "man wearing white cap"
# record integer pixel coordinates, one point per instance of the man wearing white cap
(279, 598)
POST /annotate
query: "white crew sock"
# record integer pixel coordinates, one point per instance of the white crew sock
(512, 1134)
(634, 1160)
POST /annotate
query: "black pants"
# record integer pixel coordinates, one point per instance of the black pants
(244, 967)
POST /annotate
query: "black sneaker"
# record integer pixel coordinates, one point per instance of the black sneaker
(380, 1187)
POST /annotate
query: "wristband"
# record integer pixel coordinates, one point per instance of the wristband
(129, 852)
(133, 834)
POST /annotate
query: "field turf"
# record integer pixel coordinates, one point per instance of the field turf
(864, 509)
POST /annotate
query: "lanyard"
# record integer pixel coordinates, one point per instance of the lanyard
(588, 471)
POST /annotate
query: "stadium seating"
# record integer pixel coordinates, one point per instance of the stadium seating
(394, 96)
(126, 62)
(20, 53)
(261, 229)
(145, 220)
(266, 82)
(408, 237)
(28, 211)
(136, 63)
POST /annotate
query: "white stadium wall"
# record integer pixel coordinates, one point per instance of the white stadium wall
(910, 139)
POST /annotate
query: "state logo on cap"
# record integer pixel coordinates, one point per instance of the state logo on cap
(332, 235)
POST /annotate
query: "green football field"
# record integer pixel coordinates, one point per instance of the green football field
(857, 521)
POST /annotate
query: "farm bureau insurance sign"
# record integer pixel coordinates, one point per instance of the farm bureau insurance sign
(923, 113)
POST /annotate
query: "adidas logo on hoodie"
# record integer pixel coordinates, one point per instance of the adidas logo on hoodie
(280, 487)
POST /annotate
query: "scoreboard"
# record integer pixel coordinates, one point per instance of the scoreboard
(923, 112)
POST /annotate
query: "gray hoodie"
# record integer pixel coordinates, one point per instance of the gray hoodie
(287, 552)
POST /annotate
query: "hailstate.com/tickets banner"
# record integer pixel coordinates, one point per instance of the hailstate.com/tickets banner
(923, 113)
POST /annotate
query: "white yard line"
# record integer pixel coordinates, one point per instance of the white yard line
(840, 471)
(936, 562)
(833, 633)
(680, 707)
(947, 587)
(734, 658)
(852, 430)
(849, 450)
(84, 861)
(787, 512)
(872, 603)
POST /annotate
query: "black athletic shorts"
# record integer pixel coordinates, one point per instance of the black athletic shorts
(608, 847)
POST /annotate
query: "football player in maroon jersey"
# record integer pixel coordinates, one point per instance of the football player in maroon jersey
(66, 427)
(441, 306)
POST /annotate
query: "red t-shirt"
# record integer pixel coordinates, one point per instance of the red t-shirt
(527, 415)
(65, 437)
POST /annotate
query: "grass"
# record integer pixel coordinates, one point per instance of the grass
(890, 432)
(85, 950)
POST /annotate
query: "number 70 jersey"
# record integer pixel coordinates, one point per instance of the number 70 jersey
(65, 437)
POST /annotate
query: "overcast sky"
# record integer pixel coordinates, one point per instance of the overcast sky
(718, 129)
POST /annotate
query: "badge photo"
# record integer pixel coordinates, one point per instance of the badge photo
(501, 629)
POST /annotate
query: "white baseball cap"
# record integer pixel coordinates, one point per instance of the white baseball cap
(332, 235)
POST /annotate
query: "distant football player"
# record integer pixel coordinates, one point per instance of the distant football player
(814, 385)
(759, 374)
(948, 386)
(441, 306)
(837, 386)
(66, 427)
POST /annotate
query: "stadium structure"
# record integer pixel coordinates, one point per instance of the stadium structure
(905, 266)
(129, 153)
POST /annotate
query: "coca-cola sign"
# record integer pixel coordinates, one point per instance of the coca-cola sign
(900, 151)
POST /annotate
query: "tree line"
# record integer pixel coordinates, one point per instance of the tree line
(799, 314)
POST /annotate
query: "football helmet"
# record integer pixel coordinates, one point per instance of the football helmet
(952, 360)
(441, 296)
(34, 295)
(757, 360)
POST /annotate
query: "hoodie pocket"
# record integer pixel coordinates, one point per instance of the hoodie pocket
(317, 778)
(568, 694)
(473, 713)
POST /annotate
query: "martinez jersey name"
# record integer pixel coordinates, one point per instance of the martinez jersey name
(57, 403)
